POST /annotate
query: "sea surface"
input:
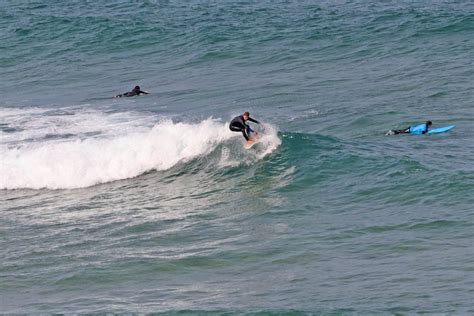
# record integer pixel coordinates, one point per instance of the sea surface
(150, 204)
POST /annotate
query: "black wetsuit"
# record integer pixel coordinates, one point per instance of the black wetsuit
(238, 125)
(132, 93)
(401, 131)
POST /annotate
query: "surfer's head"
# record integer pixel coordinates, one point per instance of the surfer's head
(429, 123)
(246, 115)
(136, 88)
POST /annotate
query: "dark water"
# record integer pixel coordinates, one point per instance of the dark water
(150, 204)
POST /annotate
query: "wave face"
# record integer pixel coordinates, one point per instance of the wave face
(53, 149)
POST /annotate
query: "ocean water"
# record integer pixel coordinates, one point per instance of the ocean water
(150, 204)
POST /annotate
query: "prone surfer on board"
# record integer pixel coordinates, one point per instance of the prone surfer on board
(238, 125)
(134, 92)
(416, 129)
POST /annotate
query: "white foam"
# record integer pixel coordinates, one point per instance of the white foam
(34, 124)
(123, 150)
(269, 141)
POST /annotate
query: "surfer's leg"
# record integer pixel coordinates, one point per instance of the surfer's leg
(248, 131)
(401, 131)
(246, 134)
(240, 128)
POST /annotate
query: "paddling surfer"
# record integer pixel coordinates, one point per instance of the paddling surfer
(136, 91)
(416, 129)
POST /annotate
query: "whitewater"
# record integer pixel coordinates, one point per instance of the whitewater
(108, 147)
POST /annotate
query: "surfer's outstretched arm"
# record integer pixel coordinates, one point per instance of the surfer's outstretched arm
(252, 120)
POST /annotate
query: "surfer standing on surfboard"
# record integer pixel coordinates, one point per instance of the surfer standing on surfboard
(238, 125)
(417, 129)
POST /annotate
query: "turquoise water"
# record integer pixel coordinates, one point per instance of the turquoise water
(150, 204)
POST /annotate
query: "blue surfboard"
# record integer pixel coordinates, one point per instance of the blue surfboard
(440, 129)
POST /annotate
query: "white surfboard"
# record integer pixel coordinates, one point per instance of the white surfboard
(251, 142)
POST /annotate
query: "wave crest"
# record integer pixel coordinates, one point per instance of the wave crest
(76, 163)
